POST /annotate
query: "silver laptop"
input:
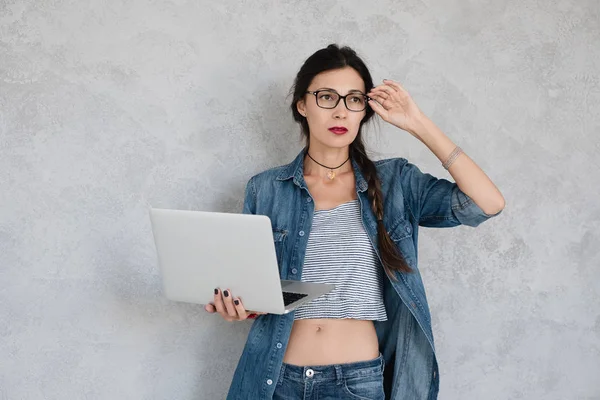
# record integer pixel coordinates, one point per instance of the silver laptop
(199, 251)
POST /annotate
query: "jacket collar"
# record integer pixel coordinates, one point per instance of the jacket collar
(295, 170)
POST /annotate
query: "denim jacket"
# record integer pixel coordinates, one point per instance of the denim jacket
(411, 199)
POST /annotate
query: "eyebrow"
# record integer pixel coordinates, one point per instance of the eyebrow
(350, 91)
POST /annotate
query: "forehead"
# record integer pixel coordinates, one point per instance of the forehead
(342, 80)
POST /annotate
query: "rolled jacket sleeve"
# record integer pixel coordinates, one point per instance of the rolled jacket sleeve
(439, 203)
(466, 210)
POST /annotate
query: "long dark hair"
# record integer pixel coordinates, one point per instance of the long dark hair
(334, 57)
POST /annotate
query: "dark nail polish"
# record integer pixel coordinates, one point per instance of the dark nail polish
(216, 291)
(236, 302)
(225, 293)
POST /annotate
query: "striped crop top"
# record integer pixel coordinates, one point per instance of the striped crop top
(340, 252)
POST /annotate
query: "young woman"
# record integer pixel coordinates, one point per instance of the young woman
(340, 218)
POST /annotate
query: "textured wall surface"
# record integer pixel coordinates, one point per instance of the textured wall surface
(107, 108)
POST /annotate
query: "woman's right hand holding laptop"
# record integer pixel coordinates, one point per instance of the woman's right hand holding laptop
(230, 309)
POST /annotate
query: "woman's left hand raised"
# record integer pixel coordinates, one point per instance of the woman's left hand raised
(394, 105)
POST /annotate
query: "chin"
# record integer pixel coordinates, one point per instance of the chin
(338, 141)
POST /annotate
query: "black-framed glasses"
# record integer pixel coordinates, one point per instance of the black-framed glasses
(330, 99)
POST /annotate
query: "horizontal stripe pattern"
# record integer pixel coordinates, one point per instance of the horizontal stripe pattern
(339, 252)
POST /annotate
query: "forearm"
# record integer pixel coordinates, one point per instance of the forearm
(468, 176)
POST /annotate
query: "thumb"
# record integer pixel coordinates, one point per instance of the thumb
(378, 108)
(209, 308)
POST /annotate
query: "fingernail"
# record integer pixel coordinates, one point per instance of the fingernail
(236, 302)
(225, 293)
(216, 291)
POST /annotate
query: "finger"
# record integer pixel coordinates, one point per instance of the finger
(377, 88)
(380, 96)
(395, 85)
(377, 107)
(239, 307)
(227, 299)
(379, 93)
(383, 85)
(379, 99)
(219, 306)
(387, 89)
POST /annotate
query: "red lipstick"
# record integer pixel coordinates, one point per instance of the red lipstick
(338, 130)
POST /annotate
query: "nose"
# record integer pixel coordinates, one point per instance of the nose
(340, 111)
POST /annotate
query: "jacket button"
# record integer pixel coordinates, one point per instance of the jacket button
(308, 199)
(294, 270)
(301, 233)
(269, 382)
(279, 345)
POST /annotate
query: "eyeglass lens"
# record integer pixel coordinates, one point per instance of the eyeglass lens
(330, 99)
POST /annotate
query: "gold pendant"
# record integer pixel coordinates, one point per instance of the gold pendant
(331, 174)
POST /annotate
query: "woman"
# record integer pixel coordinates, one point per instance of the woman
(339, 217)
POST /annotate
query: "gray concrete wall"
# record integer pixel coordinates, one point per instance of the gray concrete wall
(107, 108)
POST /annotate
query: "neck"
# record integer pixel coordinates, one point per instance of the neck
(329, 158)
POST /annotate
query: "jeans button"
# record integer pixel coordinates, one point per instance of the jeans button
(310, 373)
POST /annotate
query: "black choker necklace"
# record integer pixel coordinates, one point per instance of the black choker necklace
(330, 174)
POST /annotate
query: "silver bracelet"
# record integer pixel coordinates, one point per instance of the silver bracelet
(453, 156)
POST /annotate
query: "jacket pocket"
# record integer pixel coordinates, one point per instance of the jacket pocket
(402, 235)
(401, 230)
(279, 236)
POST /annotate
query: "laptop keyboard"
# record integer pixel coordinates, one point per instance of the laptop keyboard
(289, 297)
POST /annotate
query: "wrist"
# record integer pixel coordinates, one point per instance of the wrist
(423, 128)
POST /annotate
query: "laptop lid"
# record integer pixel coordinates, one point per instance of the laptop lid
(199, 251)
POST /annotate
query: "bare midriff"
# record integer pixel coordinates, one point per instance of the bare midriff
(331, 341)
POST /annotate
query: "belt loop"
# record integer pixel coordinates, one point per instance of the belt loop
(339, 375)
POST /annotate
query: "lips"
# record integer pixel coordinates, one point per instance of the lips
(338, 130)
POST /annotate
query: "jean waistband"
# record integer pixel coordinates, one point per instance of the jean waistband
(333, 371)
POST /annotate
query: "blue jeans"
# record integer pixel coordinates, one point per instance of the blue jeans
(359, 380)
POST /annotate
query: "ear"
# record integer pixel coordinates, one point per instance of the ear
(301, 107)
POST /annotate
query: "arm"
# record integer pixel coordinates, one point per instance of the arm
(468, 176)
(437, 202)
(249, 198)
